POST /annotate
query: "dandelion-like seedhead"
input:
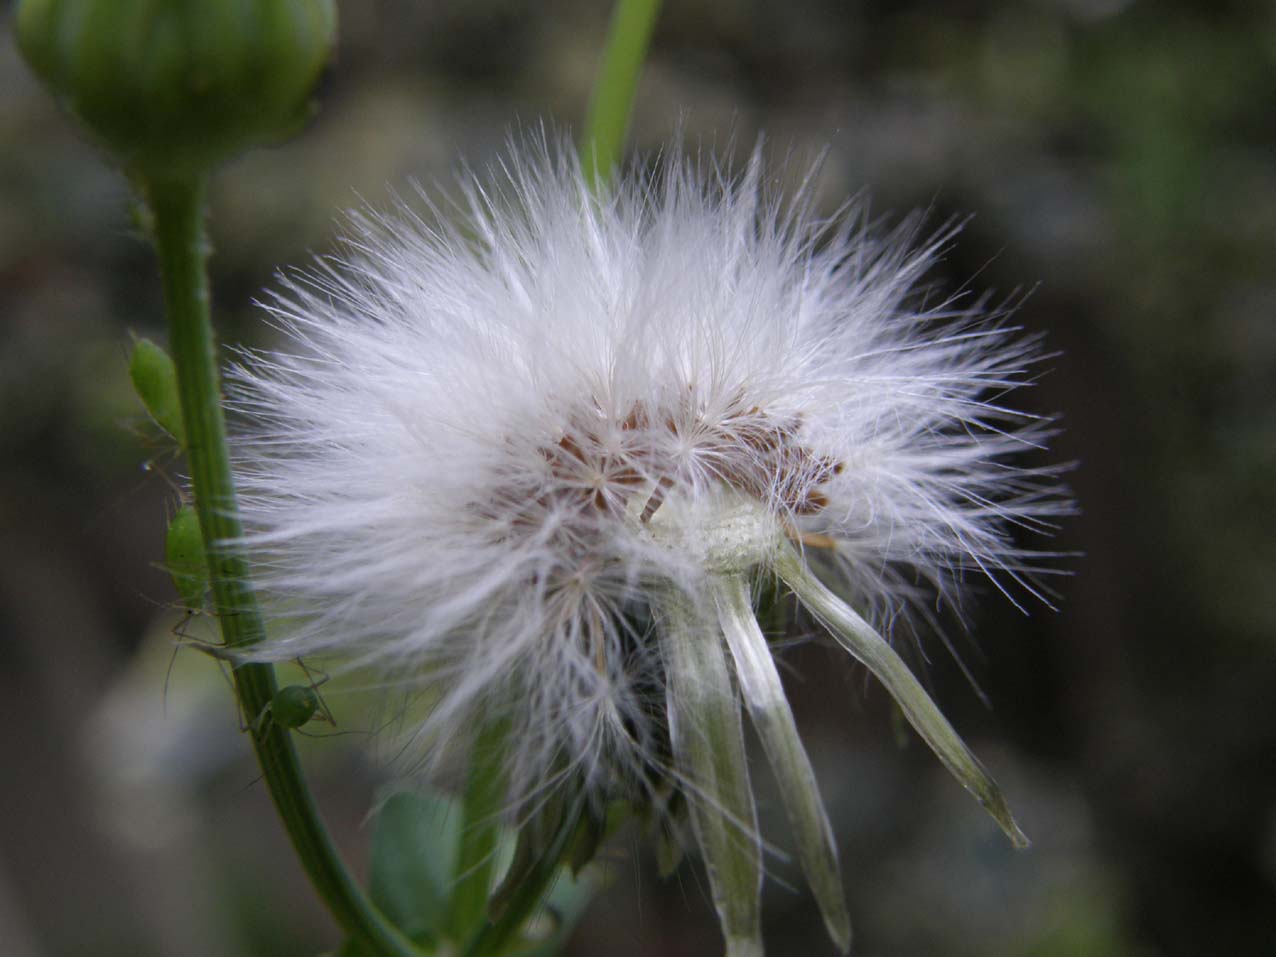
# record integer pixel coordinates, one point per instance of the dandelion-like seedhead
(532, 461)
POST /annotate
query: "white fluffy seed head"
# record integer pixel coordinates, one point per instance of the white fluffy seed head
(492, 436)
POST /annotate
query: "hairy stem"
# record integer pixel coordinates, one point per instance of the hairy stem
(611, 103)
(178, 208)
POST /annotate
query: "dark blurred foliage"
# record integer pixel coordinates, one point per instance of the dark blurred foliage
(1120, 161)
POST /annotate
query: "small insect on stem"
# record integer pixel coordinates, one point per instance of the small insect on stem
(295, 706)
(155, 379)
(187, 566)
(186, 561)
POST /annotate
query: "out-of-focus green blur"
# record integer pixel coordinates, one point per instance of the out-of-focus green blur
(1120, 160)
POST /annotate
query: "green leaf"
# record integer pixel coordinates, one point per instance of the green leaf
(709, 755)
(859, 638)
(413, 852)
(769, 707)
(155, 379)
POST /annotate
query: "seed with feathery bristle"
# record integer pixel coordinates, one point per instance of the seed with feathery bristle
(531, 462)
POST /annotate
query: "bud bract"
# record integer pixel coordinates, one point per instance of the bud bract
(175, 87)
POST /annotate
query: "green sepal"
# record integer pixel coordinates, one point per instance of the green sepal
(413, 854)
(185, 559)
(859, 638)
(764, 695)
(709, 755)
(155, 380)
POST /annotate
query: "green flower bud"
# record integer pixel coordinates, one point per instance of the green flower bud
(174, 87)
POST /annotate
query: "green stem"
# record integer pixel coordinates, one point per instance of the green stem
(178, 208)
(607, 122)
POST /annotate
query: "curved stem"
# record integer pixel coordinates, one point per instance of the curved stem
(178, 208)
(611, 103)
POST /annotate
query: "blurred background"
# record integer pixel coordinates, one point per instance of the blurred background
(1119, 158)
